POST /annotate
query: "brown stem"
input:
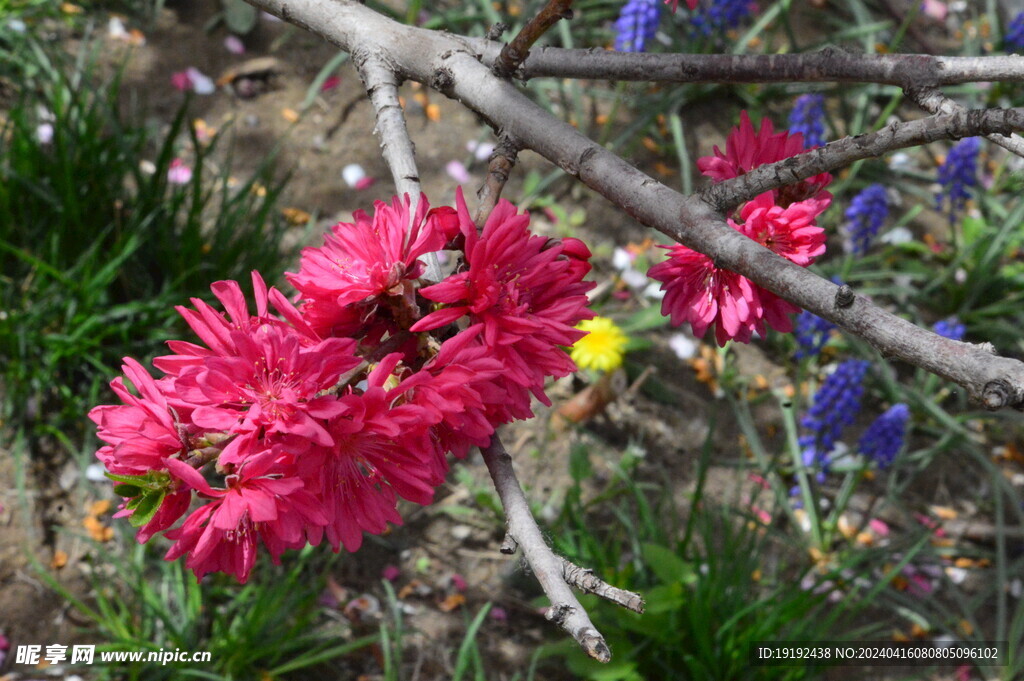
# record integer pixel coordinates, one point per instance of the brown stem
(498, 168)
(933, 101)
(830, 65)
(586, 581)
(514, 53)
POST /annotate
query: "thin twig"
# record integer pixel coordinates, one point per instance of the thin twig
(586, 581)
(514, 53)
(498, 168)
(726, 195)
(830, 65)
(565, 610)
(933, 101)
(509, 545)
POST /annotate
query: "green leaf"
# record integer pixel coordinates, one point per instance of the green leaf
(666, 565)
(664, 598)
(240, 17)
(145, 507)
(139, 480)
(127, 490)
(579, 464)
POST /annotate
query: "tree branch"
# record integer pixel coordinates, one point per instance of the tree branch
(586, 581)
(498, 168)
(565, 610)
(933, 101)
(725, 195)
(444, 62)
(513, 54)
(831, 65)
(395, 144)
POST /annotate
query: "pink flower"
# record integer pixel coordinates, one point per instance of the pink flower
(181, 81)
(214, 329)
(935, 9)
(375, 459)
(289, 437)
(790, 231)
(746, 149)
(391, 573)
(699, 292)
(374, 258)
(142, 433)
(260, 502)
(879, 527)
(525, 290)
(271, 387)
(143, 436)
(459, 389)
(457, 171)
(178, 172)
(234, 44)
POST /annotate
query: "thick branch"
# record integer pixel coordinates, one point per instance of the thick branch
(933, 101)
(725, 195)
(565, 610)
(424, 55)
(513, 54)
(831, 65)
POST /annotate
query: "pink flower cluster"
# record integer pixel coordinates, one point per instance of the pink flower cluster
(309, 420)
(701, 293)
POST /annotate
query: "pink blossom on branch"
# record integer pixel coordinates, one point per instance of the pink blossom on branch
(525, 291)
(746, 149)
(783, 221)
(703, 294)
(373, 256)
(261, 502)
(288, 426)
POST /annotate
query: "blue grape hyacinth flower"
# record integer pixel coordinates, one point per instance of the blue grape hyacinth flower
(835, 406)
(883, 439)
(808, 118)
(951, 328)
(1014, 38)
(958, 174)
(865, 216)
(718, 16)
(636, 25)
(811, 333)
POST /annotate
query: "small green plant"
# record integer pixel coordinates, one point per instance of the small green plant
(714, 586)
(267, 628)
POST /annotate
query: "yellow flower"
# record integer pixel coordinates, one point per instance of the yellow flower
(602, 347)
